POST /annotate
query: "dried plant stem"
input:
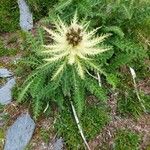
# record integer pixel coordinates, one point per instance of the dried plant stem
(47, 106)
(99, 79)
(79, 126)
(136, 89)
(91, 75)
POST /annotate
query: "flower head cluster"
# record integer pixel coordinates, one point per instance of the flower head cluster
(72, 44)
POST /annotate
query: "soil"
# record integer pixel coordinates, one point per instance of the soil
(141, 125)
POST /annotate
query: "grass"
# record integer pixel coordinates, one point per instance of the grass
(11, 43)
(9, 14)
(46, 134)
(2, 137)
(93, 119)
(40, 8)
(127, 102)
(128, 105)
(7, 51)
(148, 148)
(3, 118)
(127, 140)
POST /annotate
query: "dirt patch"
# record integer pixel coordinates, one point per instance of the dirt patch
(144, 86)
(141, 125)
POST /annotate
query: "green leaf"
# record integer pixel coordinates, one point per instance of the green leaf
(24, 91)
(93, 87)
(112, 79)
(115, 29)
(78, 93)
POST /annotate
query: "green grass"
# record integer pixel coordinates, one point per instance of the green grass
(9, 15)
(46, 134)
(40, 8)
(4, 118)
(127, 102)
(2, 137)
(93, 119)
(11, 43)
(129, 105)
(148, 147)
(127, 140)
(4, 51)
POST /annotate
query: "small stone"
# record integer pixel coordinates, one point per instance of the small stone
(4, 73)
(5, 92)
(58, 145)
(20, 133)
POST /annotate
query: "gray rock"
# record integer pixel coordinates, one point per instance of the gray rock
(5, 92)
(58, 145)
(4, 73)
(20, 133)
(26, 20)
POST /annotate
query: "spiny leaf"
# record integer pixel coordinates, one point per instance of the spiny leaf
(93, 86)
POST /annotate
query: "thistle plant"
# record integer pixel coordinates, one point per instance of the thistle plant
(64, 69)
(74, 46)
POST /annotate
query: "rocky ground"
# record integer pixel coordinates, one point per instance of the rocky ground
(107, 136)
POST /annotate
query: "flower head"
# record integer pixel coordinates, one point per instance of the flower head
(72, 44)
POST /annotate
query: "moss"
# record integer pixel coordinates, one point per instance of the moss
(9, 14)
(126, 140)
